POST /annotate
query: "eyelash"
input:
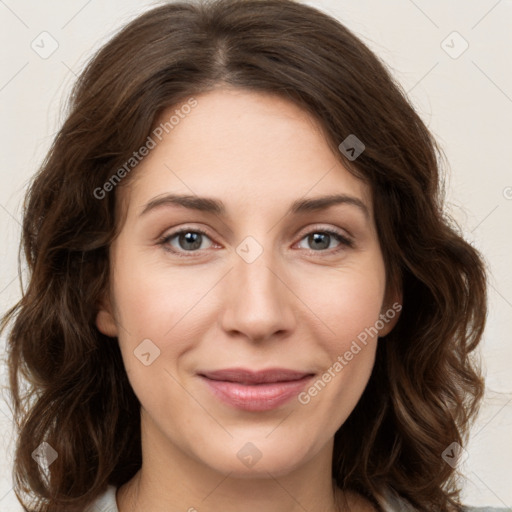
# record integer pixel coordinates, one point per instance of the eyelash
(344, 241)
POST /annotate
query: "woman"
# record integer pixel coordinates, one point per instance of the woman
(244, 294)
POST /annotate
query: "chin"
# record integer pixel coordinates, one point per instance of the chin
(257, 459)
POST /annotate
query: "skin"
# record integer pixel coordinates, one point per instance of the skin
(294, 306)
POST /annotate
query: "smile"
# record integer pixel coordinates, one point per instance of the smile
(255, 391)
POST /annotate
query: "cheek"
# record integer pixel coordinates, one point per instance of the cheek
(152, 298)
(150, 307)
(348, 305)
(336, 389)
(347, 301)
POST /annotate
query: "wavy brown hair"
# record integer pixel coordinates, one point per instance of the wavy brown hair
(426, 384)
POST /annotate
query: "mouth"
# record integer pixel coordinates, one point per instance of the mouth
(251, 390)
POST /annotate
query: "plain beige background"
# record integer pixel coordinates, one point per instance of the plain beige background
(453, 59)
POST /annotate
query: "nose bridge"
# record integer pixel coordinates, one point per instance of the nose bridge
(258, 281)
(258, 303)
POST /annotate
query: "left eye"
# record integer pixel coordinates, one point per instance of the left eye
(321, 239)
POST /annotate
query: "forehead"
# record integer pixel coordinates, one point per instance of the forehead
(248, 148)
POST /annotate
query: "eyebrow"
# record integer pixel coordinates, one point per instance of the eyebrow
(215, 206)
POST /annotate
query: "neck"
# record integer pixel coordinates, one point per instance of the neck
(139, 494)
(170, 479)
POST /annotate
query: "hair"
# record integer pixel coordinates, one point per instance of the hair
(426, 384)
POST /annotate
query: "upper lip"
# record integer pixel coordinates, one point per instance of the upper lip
(246, 376)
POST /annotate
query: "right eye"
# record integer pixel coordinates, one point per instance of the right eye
(185, 240)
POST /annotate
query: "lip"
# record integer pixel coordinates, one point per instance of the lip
(251, 390)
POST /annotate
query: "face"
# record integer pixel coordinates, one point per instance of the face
(262, 276)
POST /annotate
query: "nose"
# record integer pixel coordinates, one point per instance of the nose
(257, 303)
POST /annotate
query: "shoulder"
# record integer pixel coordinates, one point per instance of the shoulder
(395, 503)
(106, 502)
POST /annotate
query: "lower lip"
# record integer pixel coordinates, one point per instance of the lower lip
(256, 397)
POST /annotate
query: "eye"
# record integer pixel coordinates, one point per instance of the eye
(185, 240)
(191, 240)
(321, 240)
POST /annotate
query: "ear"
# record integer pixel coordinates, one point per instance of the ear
(105, 321)
(390, 312)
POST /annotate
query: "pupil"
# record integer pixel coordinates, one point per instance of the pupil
(191, 238)
(317, 239)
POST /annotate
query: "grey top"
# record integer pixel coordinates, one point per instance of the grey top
(395, 503)
(107, 503)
